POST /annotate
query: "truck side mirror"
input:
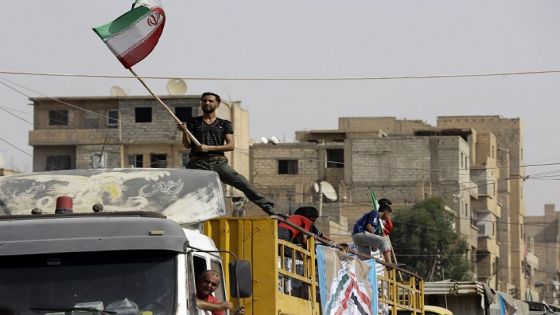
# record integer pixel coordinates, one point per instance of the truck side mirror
(240, 277)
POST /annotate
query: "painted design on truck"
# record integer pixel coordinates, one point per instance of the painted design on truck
(186, 196)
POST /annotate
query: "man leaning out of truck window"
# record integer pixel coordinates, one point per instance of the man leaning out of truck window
(206, 284)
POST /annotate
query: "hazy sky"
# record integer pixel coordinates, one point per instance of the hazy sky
(304, 38)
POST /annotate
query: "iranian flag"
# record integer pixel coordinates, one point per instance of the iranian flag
(133, 35)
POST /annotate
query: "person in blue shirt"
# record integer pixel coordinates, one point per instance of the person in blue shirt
(370, 232)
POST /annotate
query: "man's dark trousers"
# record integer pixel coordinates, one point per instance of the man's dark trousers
(229, 176)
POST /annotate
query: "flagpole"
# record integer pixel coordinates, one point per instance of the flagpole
(193, 139)
(395, 258)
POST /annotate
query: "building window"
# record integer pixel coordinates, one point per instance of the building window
(288, 167)
(183, 113)
(158, 160)
(136, 160)
(143, 114)
(335, 158)
(59, 162)
(112, 118)
(58, 117)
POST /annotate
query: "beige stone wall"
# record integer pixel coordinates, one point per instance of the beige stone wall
(294, 188)
(162, 128)
(486, 149)
(389, 125)
(390, 160)
(96, 108)
(72, 136)
(86, 153)
(240, 156)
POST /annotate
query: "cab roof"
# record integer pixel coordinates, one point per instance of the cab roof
(95, 232)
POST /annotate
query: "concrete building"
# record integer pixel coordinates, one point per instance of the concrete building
(544, 235)
(408, 161)
(129, 131)
(509, 146)
(286, 173)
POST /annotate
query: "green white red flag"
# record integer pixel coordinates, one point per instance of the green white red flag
(133, 35)
(374, 202)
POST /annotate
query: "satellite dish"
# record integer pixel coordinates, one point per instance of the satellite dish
(176, 87)
(274, 140)
(327, 190)
(264, 140)
(117, 91)
(316, 187)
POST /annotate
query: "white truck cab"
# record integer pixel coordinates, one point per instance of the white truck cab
(130, 255)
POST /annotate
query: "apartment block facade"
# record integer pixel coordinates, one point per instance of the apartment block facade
(509, 140)
(408, 161)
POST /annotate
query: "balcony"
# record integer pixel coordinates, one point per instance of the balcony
(488, 244)
(72, 136)
(485, 204)
(532, 260)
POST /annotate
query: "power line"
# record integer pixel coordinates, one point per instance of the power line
(44, 95)
(1, 139)
(17, 110)
(18, 117)
(341, 78)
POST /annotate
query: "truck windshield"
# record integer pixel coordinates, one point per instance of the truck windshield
(121, 282)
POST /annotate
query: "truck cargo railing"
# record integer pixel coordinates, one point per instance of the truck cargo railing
(284, 274)
(393, 294)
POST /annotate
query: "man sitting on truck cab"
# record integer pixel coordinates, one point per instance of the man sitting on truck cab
(206, 284)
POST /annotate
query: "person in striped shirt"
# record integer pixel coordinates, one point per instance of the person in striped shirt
(216, 137)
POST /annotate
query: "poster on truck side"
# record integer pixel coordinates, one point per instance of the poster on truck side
(347, 285)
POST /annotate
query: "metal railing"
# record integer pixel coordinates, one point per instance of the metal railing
(407, 293)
